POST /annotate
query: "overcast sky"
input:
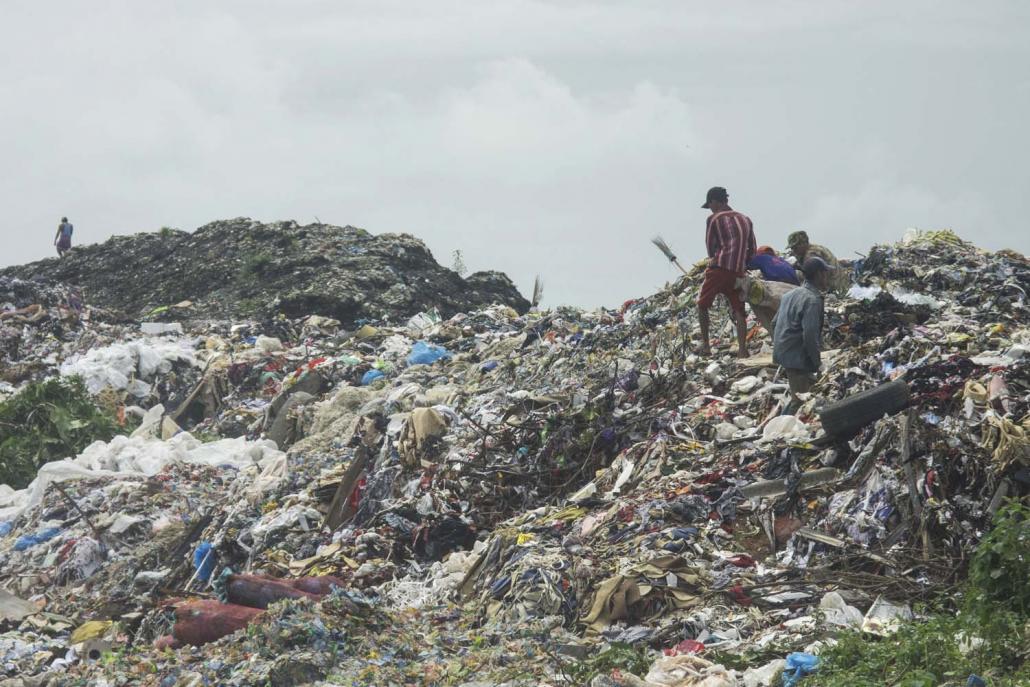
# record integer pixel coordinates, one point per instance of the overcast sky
(551, 138)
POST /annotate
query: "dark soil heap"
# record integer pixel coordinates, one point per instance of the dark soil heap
(241, 267)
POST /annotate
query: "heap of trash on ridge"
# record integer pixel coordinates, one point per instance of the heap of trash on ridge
(234, 475)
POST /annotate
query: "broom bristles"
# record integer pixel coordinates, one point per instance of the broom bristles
(538, 291)
(664, 247)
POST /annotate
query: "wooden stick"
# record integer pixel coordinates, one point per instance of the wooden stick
(910, 477)
(81, 512)
(196, 572)
(337, 509)
(906, 462)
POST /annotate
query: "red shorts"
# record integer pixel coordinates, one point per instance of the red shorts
(718, 280)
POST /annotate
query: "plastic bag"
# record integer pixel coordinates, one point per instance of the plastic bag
(798, 665)
(763, 676)
(27, 541)
(687, 670)
(837, 612)
(426, 354)
(371, 376)
(883, 618)
(785, 427)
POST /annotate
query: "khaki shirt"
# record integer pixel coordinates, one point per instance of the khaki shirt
(817, 251)
(840, 281)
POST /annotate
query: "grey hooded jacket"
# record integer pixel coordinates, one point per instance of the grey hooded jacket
(797, 338)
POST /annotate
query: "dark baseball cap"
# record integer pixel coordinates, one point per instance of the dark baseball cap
(814, 266)
(715, 193)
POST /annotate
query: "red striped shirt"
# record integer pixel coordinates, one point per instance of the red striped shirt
(730, 238)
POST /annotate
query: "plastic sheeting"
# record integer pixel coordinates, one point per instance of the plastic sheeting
(688, 671)
(786, 427)
(142, 456)
(128, 365)
(868, 293)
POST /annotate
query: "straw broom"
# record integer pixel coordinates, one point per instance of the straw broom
(538, 291)
(664, 247)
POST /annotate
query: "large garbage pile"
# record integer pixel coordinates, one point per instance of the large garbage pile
(501, 498)
(236, 267)
(35, 319)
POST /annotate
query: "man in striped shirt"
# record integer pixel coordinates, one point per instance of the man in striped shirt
(730, 239)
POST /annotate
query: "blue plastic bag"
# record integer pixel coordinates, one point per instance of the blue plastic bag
(426, 354)
(5, 528)
(27, 541)
(204, 561)
(371, 376)
(488, 365)
(799, 664)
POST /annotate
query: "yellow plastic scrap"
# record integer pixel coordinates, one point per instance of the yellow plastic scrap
(947, 236)
(524, 538)
(216, 343)
(91, 629)
(366, 331)
(319, 564)
(934, 236)
(570, 513)
(279, 558)
(975, 391)
(1010, 441)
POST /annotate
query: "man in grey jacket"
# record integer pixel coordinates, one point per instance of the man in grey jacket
(797, 338)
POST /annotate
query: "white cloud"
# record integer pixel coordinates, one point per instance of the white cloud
(551, 137)
(880, 211)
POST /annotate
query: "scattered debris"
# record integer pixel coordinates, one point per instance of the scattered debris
(490, 496)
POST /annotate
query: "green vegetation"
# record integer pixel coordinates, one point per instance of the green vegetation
(255, 264)
(165, 232)
(1000, 569)
(989, 635)
(248, 306)
(48, 421)
(618, 656)
(288, 242)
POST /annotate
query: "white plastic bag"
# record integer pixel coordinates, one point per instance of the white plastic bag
(786, 427)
